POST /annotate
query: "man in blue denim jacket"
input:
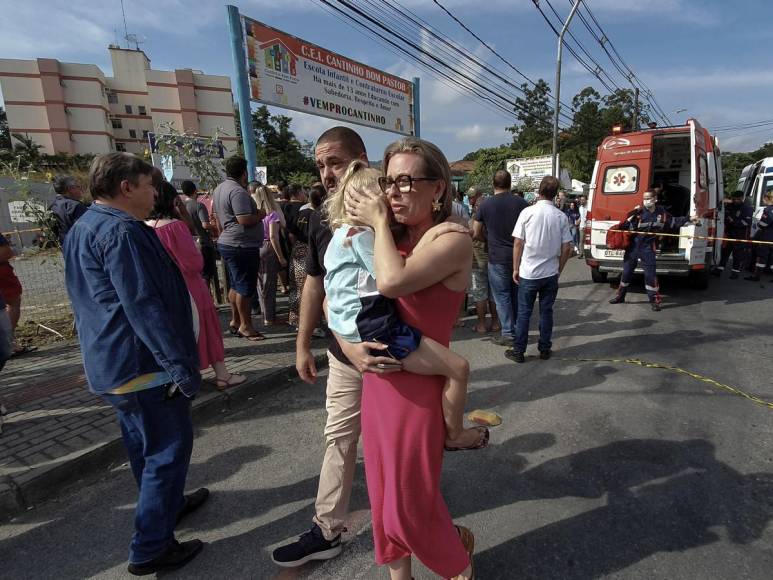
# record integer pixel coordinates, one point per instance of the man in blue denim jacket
(135, 325)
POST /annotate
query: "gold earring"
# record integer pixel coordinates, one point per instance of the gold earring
(436, 206)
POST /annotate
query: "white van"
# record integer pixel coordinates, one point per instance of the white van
(756, 179)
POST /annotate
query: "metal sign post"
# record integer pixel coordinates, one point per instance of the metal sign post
(242, 88)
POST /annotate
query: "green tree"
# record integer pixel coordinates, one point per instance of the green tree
(487, 162)
(5, 134)
(197, 152)
(578, 144)
(534, 129)
(619, 110)
(278, 148)
(27, 152)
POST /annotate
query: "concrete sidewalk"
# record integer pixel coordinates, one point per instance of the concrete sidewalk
(56, 432)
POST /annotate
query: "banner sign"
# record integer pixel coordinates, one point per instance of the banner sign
(535, 168)
(285, 71)
(18, 214)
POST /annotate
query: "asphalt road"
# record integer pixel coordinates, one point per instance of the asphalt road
(600, 470)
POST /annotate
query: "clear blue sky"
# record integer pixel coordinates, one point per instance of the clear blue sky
(710, 57)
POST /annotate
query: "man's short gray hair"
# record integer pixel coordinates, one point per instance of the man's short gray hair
(62, 183)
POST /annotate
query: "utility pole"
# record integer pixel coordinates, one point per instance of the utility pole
(635, 123)
(557, 110)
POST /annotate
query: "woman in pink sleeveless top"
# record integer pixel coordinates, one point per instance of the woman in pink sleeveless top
(402, 422)
(178, 242)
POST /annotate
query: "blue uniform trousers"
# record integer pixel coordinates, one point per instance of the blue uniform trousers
(640, 249)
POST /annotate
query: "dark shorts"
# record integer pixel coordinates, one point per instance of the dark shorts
(242, 265)
(400, 338)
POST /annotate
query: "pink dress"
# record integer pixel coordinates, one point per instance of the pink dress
(178, 241)
(403, 434)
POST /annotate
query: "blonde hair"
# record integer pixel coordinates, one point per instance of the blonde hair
(265, 201)
(358, 176)
(435, 165)
(768, 195)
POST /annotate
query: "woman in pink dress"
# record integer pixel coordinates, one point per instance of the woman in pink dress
(178, 241)
(402, 421)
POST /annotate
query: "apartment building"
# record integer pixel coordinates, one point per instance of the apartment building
(75, 108)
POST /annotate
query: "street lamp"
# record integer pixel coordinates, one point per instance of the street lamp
(557, 110)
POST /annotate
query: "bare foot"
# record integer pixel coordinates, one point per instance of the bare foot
(496, 327)
(481, 328)
(474, 438)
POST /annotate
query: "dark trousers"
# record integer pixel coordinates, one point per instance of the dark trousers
(645, 253)
(505, 294)
(267, 274)
(547, 290)
(739, 251)
(158, 435)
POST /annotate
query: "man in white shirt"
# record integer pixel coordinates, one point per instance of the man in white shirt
(542, 246)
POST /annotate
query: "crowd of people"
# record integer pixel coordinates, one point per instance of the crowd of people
(387, 256)
(393, 253)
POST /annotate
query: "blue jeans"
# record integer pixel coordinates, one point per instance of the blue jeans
(158, 435)
(547, 289)
(505, 294)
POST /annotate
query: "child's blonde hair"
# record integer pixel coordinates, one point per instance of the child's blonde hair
(358, 176)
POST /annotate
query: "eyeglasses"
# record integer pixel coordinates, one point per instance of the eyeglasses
(404, 183)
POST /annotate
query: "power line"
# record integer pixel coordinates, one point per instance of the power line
(577, 57)
(491, 49)
(454, 86)
(620, 64)
(507, 110)
(450, 49)
(599, 68)
(480, 89)
(750, 124)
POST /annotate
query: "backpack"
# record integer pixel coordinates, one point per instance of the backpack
(617, 237)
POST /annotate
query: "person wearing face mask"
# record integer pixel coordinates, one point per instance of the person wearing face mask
(738, 220)
(651, 220)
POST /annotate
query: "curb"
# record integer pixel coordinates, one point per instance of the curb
(39, 485)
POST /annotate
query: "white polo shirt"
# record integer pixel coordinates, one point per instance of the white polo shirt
(543, 228)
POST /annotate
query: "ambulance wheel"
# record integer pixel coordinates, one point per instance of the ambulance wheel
(597, 275)
(698, 279)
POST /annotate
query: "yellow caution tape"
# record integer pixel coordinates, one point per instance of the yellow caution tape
(649, 365)
(695, 237)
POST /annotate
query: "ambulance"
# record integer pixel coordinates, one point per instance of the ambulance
(755, 181)
(686, 159)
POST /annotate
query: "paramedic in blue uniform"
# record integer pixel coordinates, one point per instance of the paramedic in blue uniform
(652, 219)
(738, 220)
(764, 234)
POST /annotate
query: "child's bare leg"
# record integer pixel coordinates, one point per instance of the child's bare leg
(432, 358)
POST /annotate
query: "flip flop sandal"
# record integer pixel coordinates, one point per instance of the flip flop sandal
(468, 541)
(485, 418)
(233, 330)
(479, 445)
(257, 337)
(223, 384)
(24, 350)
